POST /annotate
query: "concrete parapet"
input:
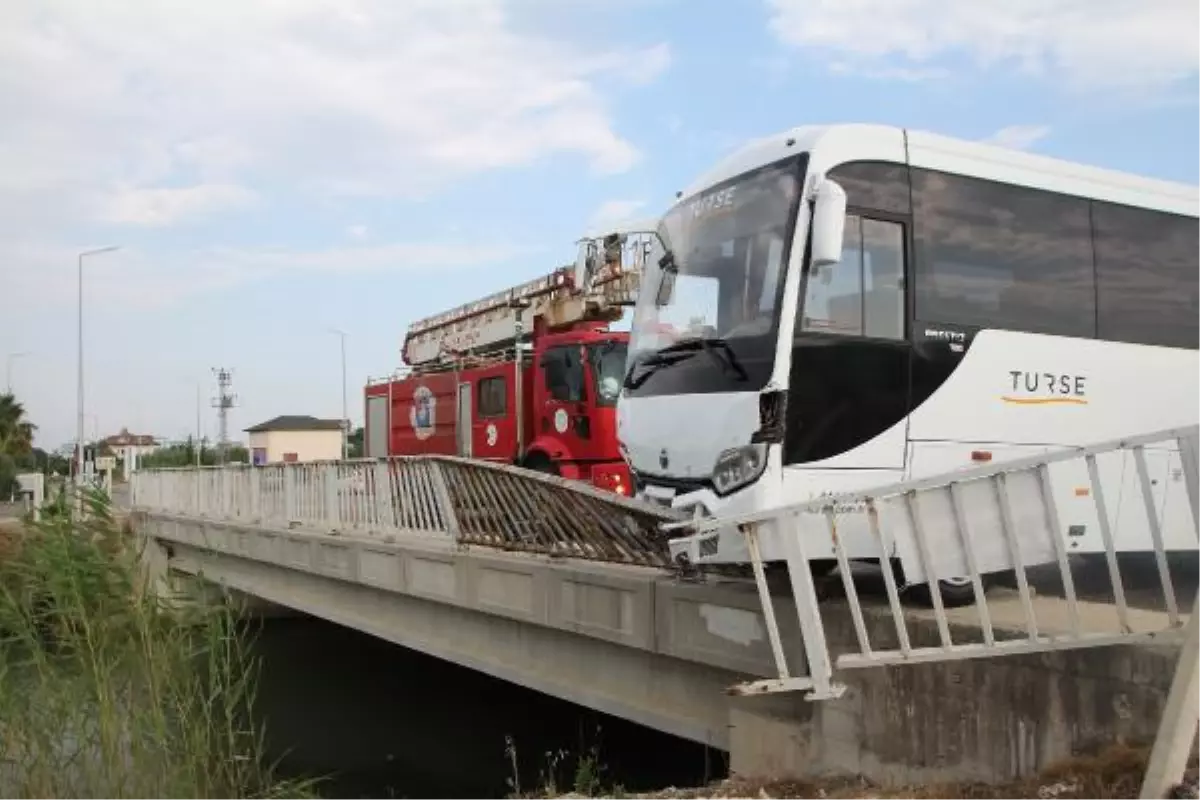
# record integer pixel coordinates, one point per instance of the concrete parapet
(987, 719)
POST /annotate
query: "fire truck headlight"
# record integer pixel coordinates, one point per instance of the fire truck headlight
(739, 467)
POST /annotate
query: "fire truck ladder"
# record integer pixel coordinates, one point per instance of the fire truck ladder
(605, 279)
(1001, 518)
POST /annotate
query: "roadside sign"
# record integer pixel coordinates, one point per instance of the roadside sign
(106, 462)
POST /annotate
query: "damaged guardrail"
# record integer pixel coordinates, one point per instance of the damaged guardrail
(973, 524)
(475, 502)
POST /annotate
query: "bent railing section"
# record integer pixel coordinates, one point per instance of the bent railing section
(968, 525)
(475, 502)
(971, 525)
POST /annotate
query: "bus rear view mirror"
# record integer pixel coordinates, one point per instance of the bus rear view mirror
(828, 224)
(666, 288)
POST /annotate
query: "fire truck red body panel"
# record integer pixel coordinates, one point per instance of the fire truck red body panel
(576, 439)
(462, 395)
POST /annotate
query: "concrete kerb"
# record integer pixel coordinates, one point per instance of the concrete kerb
(613, 602)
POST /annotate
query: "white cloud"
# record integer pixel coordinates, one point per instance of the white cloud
(111, 107)
(1018, 137)
(135, 278)
(158, 207)
(1085, 44)
(124, 115)
(614, 211)
(124, 118)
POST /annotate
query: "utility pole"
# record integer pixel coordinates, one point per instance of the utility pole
(224, 401)
(345, 417)
(79, 399)
(196, 449)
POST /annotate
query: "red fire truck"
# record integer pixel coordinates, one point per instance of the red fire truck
(527, 376)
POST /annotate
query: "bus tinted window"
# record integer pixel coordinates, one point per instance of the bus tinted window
(994, 255)
(1146, 275)
(874, 185)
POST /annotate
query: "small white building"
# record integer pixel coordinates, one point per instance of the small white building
(129, 448)
(295, 438)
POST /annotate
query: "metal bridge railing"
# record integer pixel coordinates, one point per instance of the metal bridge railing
(973, 524)
(474, 502)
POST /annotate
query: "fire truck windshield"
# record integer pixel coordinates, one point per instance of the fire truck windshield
(721, 282)
(608, 366)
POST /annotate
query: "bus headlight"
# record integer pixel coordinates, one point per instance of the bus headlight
(738, 467)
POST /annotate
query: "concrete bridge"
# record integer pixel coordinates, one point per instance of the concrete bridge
(536, 602)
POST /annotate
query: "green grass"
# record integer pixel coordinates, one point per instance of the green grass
(580, 774)
(107, 690)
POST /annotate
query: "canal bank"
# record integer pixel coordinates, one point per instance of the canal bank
(383, 721)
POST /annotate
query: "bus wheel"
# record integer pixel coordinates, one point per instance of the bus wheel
(955, 592)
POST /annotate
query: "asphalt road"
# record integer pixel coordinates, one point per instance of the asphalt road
(1090, 575)
(1139, 577)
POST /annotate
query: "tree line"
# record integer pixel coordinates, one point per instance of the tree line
(17, 453)
(184, 455)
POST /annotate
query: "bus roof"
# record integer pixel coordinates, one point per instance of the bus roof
(860, 142)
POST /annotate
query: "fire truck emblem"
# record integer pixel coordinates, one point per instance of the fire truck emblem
(422, 415)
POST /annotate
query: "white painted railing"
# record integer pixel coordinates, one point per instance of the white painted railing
(971, 525)
(475, 502)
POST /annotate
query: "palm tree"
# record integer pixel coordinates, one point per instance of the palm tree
(16, 433)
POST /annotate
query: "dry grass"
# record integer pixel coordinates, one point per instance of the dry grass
(11, 531)
(1114, 772)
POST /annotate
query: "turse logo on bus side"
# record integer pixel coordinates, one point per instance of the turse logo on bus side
(423, 413)
(1037, 388)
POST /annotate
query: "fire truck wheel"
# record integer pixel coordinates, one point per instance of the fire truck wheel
(539, 462)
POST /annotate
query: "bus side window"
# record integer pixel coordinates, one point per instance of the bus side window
(833, 302)
(863, 295)
(996, 255)
(1145, 276)
(883, 279)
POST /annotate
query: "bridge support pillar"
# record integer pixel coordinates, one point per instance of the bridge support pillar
(773, 735)
(155, 567)
(979, 720)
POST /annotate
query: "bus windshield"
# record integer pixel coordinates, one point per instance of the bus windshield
(719, 289)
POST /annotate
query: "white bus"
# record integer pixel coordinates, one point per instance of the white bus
(848, 306)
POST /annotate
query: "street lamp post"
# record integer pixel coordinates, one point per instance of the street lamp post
(345, 418)
(79, 399)
(8, 368)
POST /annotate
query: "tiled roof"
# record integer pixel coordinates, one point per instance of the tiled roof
(289, 422)
(127, 439)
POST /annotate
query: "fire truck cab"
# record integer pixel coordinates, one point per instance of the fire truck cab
(527, 376)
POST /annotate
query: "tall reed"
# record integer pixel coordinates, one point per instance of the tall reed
(109, 690)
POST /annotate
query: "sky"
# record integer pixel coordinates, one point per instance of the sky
(273, 170)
